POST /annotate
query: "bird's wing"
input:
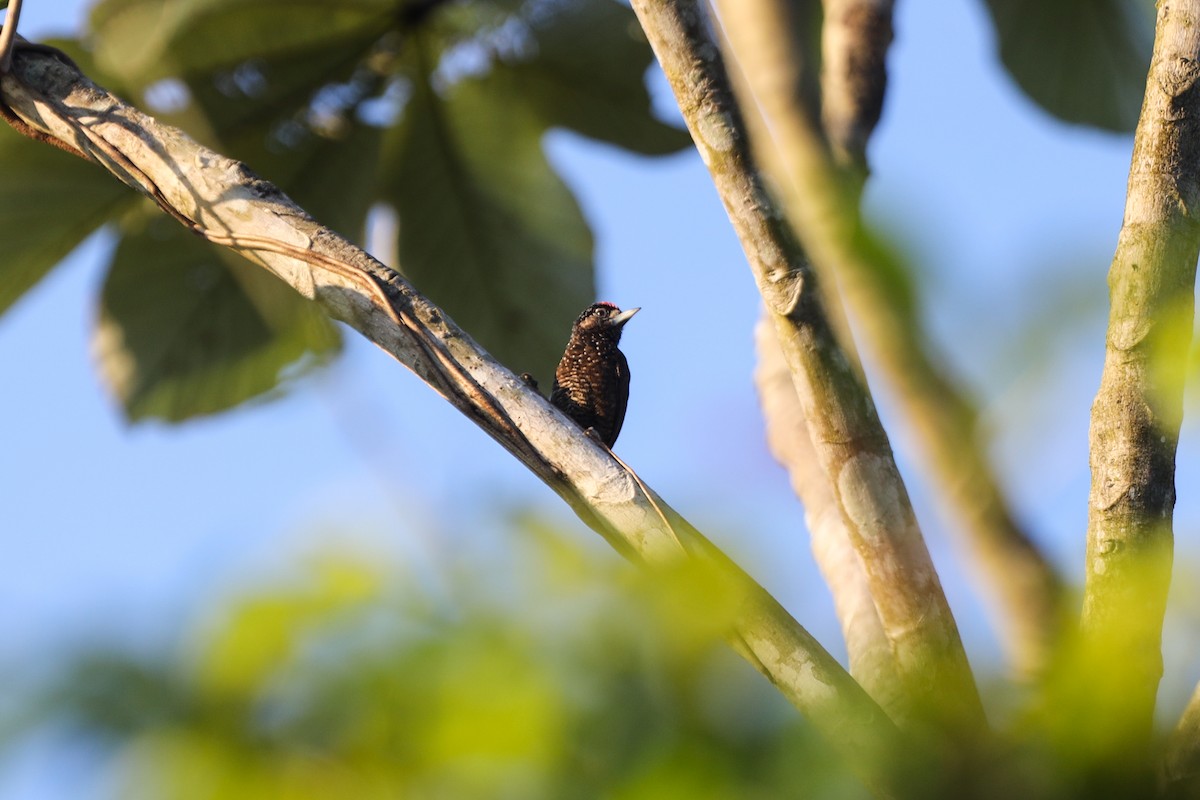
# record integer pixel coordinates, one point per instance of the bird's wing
(622, 396)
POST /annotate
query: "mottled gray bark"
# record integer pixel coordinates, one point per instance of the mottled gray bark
(823, 200)
(1138, 408)
(871, 660)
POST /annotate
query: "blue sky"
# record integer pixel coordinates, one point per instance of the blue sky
(1011, 216)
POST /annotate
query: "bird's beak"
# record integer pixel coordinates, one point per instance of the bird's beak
(623, 317)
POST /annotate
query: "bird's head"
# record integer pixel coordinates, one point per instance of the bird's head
(603, 318)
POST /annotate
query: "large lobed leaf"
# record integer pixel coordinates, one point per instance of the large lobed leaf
(487, 227)
(1083, 61)
(331, 175)
(51, 201)
(587, 73)
(144, 40)
(245, 104)
(186, 328)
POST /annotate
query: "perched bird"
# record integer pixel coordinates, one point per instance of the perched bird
(591, 384)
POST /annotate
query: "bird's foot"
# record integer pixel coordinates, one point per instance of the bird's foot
(594, 435)
(530, 381)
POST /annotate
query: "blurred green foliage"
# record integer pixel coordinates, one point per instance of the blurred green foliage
(573, 678)
(545, 672)
(51, 202)
(436, 108)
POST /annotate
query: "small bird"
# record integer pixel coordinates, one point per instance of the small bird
(591, 384)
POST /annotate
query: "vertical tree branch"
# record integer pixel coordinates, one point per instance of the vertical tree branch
(854, 42)
(823, 203)
(851, 444)
(851, 96)
(1138, 408)
(1180, 768)
(871, 660)
(770, 246)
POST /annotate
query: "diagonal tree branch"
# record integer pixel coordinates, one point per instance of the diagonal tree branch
(1138, 408)
(855, 36)
(851, 444)
(845, 103)
(223, 201)
(871, 661)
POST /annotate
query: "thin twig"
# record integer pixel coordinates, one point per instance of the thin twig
(8, 35)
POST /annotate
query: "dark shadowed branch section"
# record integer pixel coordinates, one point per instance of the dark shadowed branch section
(1138, 408)
(223, 201)
(855, 36)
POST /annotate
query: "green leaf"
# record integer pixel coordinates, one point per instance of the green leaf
(333, 175)
(338, 183)
(1083, 61)
(262, 111)
(144, 40)
(52, 201)
(585, 69)
(487, 229)
(186, 329)
(252, 97)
